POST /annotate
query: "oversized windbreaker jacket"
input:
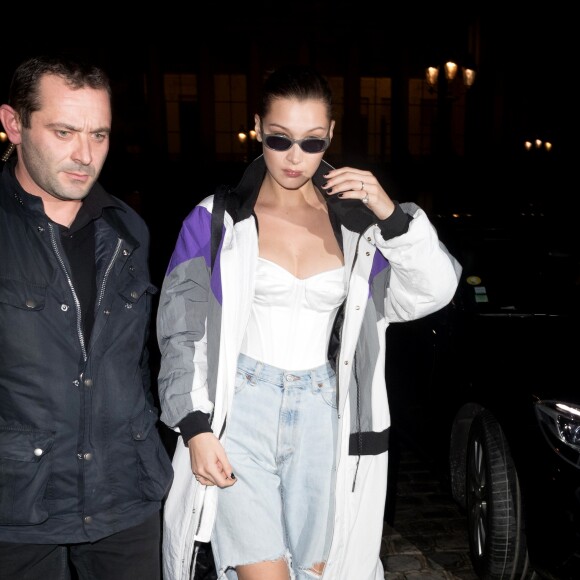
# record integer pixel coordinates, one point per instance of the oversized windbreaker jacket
(80, 456)
(201, 323)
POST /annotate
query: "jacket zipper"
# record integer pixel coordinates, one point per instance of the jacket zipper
(72, 288)
(71, 285)
(108, 271)
(355, 374)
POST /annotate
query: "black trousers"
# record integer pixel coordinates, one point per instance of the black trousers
(204, 564)
(132, 554)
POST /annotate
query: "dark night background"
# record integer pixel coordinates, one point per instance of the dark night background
(525, 56)
(525, 84)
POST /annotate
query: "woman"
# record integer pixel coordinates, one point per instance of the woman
(273, 363)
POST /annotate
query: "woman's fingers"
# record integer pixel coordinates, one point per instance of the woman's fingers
(208, 459)
(351, 183)
(349, 179)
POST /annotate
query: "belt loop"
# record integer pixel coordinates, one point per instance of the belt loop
(314, 381)
(259, 366)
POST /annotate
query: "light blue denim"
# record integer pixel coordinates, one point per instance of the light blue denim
(281, 437)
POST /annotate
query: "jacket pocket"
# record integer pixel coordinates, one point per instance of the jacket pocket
(155, 469)
(135, 288)
(25, 468)
(22, 295)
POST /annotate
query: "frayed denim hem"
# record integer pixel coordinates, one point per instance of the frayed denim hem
(229, 572)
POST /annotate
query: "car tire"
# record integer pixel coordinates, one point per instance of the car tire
(497, 539)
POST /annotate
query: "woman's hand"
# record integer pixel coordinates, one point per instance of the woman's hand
(209, 462)
(350, 183)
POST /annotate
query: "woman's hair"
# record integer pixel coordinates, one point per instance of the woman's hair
(24, 94)
(295, 82)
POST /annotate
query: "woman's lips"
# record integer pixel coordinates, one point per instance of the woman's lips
(289, 173)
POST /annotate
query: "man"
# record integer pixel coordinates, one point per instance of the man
(83, 472)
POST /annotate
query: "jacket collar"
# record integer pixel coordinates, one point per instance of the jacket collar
(93, 204)
(98, 203)
(350, 213)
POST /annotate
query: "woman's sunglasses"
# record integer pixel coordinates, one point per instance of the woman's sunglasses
(308, 144)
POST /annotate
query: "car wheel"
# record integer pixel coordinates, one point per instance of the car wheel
(494, 506)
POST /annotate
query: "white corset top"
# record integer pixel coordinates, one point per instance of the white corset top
(292, 318)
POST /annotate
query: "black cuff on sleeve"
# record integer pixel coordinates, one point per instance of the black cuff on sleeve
(396, 224)
(194, 424)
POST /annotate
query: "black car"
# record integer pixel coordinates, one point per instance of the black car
(487, 390)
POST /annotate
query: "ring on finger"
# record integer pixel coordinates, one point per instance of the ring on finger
(362, 185)
(365, 199)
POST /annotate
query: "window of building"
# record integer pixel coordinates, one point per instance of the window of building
(337, 87)
(231, 117)
(431, 117)
(375, 111)
(422, 117)
(181, 109)
(434, 116)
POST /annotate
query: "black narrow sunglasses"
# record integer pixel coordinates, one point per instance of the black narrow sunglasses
(308, 144)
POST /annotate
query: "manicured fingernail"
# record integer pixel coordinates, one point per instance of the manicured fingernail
(232, 475)
(339, 194)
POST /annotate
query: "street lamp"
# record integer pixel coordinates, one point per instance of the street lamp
(449, 81)
(242, 136)
(247, 141)
(450, 67)
(446, 92)
(538, 144)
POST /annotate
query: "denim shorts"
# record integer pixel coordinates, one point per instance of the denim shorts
(281, 436)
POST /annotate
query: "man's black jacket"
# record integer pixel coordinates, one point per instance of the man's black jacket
(80, 455)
